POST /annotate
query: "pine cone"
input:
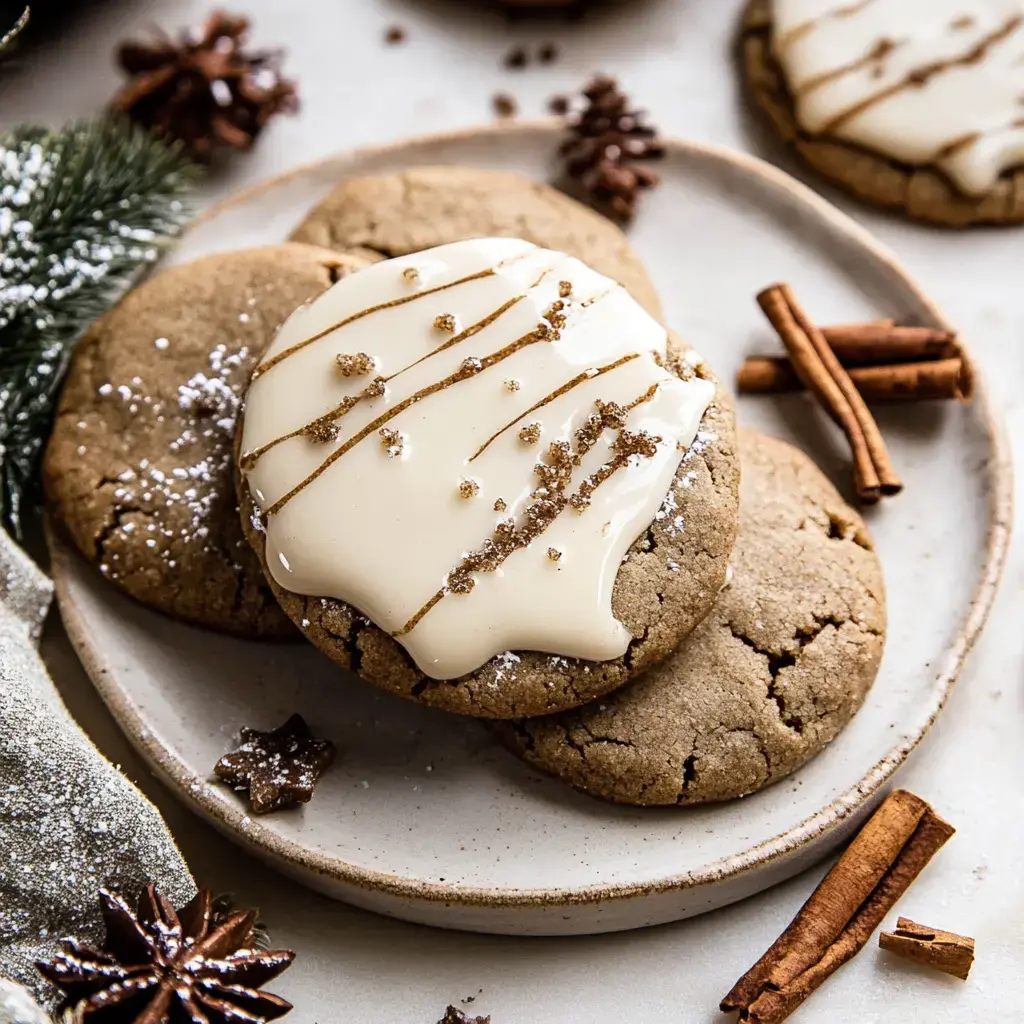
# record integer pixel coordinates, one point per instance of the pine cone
(203, 89)
(606, 142)
(193, 966)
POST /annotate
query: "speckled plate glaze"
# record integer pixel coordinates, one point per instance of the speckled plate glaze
(422, 817)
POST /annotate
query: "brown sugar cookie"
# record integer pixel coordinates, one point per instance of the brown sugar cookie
(139, 468)
(871, 111)
(769, 678)
(664, 587)
(397, 214)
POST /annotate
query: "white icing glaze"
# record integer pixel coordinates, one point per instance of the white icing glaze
(925, 82)
(383, 533)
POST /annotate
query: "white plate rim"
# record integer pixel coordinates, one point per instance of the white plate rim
(266, 843)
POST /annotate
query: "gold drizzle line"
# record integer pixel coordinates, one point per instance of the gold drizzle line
(319, 429)
(920, 76)
(580, 378)
(586, 303)
(329, 418)
(467, 333)
(797, 32)
(882, 49)
(469, 368)
(299, 345)
(964, 142)
(550, 499)
(973, 138)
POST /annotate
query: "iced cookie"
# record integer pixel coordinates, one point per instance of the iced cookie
(495, 455)
(772, 675)
(397, 214)
(913, 105)
(139, 469)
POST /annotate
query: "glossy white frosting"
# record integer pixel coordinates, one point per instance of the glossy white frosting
(925, 82)
(381, 522)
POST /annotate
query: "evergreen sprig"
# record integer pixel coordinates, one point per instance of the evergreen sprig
(83, 210)
(15, 30)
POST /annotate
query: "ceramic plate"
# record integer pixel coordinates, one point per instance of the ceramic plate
(422, 817)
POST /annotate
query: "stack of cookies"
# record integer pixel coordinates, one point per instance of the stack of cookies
(442, 435)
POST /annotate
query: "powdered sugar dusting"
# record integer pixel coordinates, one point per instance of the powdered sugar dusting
(504, 664)
(198, 465)
(668, 515)
(704, 439)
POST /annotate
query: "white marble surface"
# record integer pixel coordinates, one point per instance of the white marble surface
(676, 57)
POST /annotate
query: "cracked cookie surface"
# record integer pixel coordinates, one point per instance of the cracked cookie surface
(663, 589)
(773, 674)
(396, 214)
(139, 468)
(924, 193)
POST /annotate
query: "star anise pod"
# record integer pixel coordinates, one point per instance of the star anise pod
(158, 965)
(279, 768)
(204, 89)
(606, 142)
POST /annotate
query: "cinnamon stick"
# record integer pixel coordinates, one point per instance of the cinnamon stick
(821, 372)
(896, 382)
(837, 920)
(945, 951)
(881, 342)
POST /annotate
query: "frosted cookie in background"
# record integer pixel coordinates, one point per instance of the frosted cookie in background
(912, 105)
(387, 215)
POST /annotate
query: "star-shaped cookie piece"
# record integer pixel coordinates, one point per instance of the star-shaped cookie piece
(279, 768)
(453, 1015)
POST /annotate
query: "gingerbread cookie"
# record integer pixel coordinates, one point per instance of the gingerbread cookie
(139, 470)
(397, 214)
(496, 454)
(913, 106)
(772, 675)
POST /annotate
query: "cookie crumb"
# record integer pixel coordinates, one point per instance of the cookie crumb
(411, 274)
(499, 505)
(504, 104)
(354, 365)
(376, 388)
(513, 385)
(445, 322)
(394, 34)
(554, 554)
(468, 489)
(392, 442)
(516, 58)
(564, 289)
(530, 434)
